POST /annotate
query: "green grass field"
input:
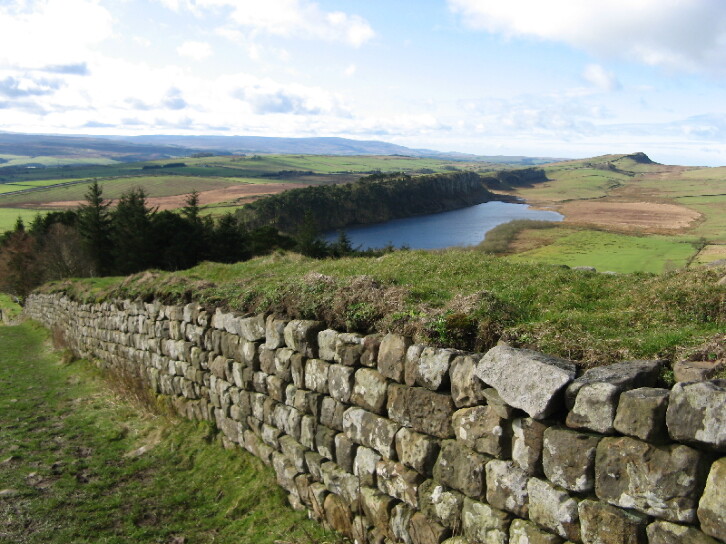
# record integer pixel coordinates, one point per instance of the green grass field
(154, 186)
(574, 184)
(608, 251)
(9, 216)
(72, 469)
(49, 161)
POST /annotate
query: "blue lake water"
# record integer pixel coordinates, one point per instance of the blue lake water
(463, 227)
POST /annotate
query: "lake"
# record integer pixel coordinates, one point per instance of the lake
(462, 227)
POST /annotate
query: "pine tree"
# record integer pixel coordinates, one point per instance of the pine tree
(132, 234)
(94, 226)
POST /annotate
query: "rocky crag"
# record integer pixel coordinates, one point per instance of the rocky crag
(389, 441)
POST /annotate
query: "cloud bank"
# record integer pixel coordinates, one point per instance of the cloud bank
(675, 34)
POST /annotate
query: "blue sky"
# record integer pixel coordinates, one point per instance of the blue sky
(557, 78)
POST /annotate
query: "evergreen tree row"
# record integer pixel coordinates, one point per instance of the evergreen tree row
(99, 240)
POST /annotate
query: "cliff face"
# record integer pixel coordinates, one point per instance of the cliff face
(387, 440)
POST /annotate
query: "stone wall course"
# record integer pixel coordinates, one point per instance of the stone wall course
(389, 441)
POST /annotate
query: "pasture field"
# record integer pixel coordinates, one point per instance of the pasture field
(155, 186)
(630, 197)
(22, 160)
(9, 216)
(574, 184)
(606, 251)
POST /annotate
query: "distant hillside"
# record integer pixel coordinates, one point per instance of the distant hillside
(151, 147)
(50, 145)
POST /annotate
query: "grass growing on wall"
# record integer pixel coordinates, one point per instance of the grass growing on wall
(79, 464)
(458, 298)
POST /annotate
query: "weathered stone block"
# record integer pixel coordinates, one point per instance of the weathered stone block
(665, 532)
(697, 371)
(370, 430)
(553, 509)
(526, 532)
(663, 481)
(712, 507)
(527, 444)
(338, 514)
(340, 482)
(422, 410)
(424, 531)
(400, 518)
(507, 487)
(526, 379)
(331, 413)
(495, 401)
(297, 369)
(396, 480)
(316, 375)
(602, 523)
(369, 390)
(409, 365)
(626, 375)
(371, 345)
(267, 359)
(483, 524)
(325, 441)
(308, 428)
(326, 344)
(642, 414)
(696, 414)
(466, 388)
(432, 371)
(594, 409)
(294, 451)
(314, 461)
(392, 356)
(302, 336)
(377, 506)
(439, 504)
(345, 452)
(418, 451)
(283, 362)
(483, 430)
(569, 458)
(348, 348)
(274, 332)
(252, 328)
(364, 465)
(340, 380)
(285, 471)
(461, 468)
(316, 495)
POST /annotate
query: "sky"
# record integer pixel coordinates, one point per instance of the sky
(554, 78)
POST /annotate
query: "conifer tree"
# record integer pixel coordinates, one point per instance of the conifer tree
(94, 226)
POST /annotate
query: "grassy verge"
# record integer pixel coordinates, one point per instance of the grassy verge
(78, 464)
(456, 297)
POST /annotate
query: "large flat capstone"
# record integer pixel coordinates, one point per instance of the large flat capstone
(525, 379)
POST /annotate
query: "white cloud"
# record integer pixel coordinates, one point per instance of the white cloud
(195, 50)
(350, 70)
(38, 33)
(685, 35)
(600, 78)
(299, 18)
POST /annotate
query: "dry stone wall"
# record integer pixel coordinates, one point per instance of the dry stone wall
(389, 441)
